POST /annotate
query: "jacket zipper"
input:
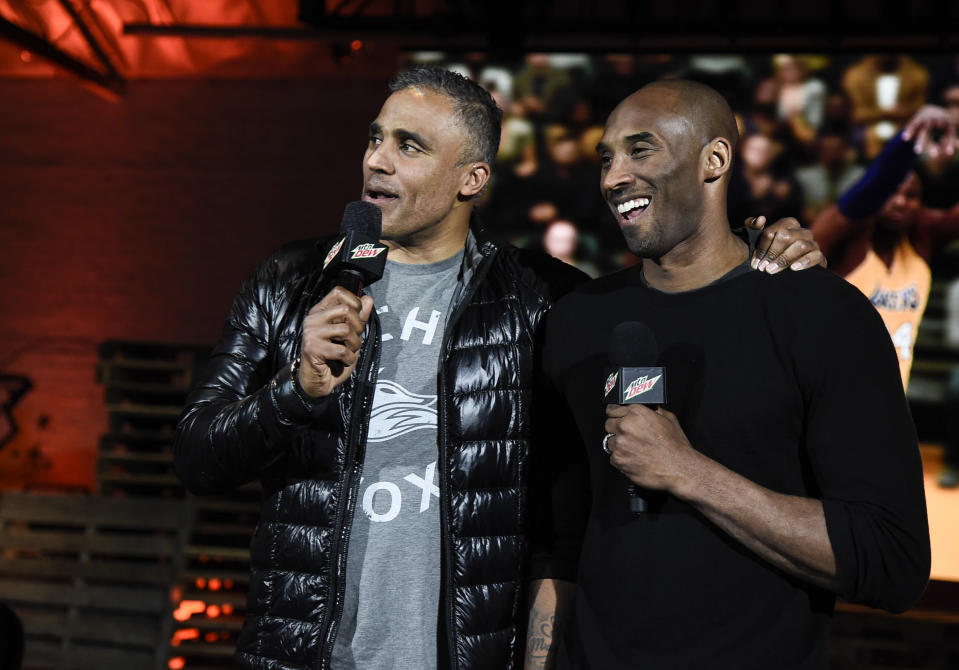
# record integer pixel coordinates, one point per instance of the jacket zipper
(477, 278)
(344, 515)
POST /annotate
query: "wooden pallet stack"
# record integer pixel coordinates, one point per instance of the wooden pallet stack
(145, 387)
(91, 577)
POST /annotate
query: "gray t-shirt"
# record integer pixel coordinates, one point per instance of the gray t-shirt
(393, 563)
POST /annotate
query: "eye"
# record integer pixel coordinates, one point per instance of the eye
(408, 148)
(605, 160)
(375, 140)
(639, 152)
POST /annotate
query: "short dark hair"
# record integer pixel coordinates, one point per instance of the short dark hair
(473, 107)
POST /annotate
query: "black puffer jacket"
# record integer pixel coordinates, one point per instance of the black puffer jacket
(244, 420)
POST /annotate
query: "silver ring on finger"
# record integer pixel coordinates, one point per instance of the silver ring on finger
(606, 443)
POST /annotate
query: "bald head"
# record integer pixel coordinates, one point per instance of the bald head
(706, 111)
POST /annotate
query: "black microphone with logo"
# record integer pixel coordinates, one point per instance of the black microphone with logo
(635, 379)
(358, 258)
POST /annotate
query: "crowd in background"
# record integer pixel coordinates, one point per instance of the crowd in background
(809, 125)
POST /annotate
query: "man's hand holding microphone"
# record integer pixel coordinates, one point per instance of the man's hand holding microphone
(332, 337)
(333, 328)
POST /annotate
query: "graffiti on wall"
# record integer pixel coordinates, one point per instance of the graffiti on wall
(12, 389)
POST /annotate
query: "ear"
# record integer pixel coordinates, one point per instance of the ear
(718, 159)
(476, 179)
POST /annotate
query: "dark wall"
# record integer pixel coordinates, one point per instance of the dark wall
(139, 219)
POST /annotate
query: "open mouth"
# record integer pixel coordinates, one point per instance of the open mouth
(630, 209)
(378, 196)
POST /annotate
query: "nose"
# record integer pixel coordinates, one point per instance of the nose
(616, 177)
(377, 158)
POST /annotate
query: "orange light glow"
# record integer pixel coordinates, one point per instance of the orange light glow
(26, 56)
(211, 637)
(200, 583)
(188, 608)
(213, 611)
(177, 663)
(228, 584)
(356, 45)
(227, 609)
(184, 634)
(215, 584)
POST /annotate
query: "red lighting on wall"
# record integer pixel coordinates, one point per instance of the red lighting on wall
(177, 663)
(356, 45)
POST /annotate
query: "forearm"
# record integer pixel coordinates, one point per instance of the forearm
(787, 531)
(551, 604)
(225, 438)
(882, 178)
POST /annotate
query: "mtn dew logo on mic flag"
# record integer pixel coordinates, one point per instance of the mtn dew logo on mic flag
(367, 251)
(610, 383)
(637, 386)
(333, 252)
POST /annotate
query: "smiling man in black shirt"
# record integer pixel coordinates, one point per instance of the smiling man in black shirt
(783, 469)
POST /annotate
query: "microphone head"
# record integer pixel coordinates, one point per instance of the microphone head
(632, 344)
(363, 218)
(359, 257)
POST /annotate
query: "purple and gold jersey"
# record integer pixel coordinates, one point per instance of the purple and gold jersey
(899, 292)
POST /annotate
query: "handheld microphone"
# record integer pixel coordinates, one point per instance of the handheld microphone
(635, 380)
(632, 350)
(358, 258)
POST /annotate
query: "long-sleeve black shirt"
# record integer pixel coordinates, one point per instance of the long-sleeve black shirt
(790, 381)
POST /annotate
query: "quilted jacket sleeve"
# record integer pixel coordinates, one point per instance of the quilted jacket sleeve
(244, 406)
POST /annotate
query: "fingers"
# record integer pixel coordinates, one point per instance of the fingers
(950, 139)
(922, 128)
(332, 337)
(786, 244)
(617, 411)
(366, 308)
(912, 126)
(922, 138)
(343, 318)
(769, 248)
(755, 222)
(774, 238)
(799, 255)
(338, 296)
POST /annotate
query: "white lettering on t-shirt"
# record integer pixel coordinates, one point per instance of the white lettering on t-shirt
(396, 500)
(428, 327)
(383, 310)
(425, 483)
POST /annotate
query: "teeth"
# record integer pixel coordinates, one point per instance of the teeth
(632, 204)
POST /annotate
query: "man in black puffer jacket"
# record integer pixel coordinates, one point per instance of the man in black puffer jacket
(405, 495)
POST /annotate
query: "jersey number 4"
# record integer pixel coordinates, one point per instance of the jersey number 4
(902, 339)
